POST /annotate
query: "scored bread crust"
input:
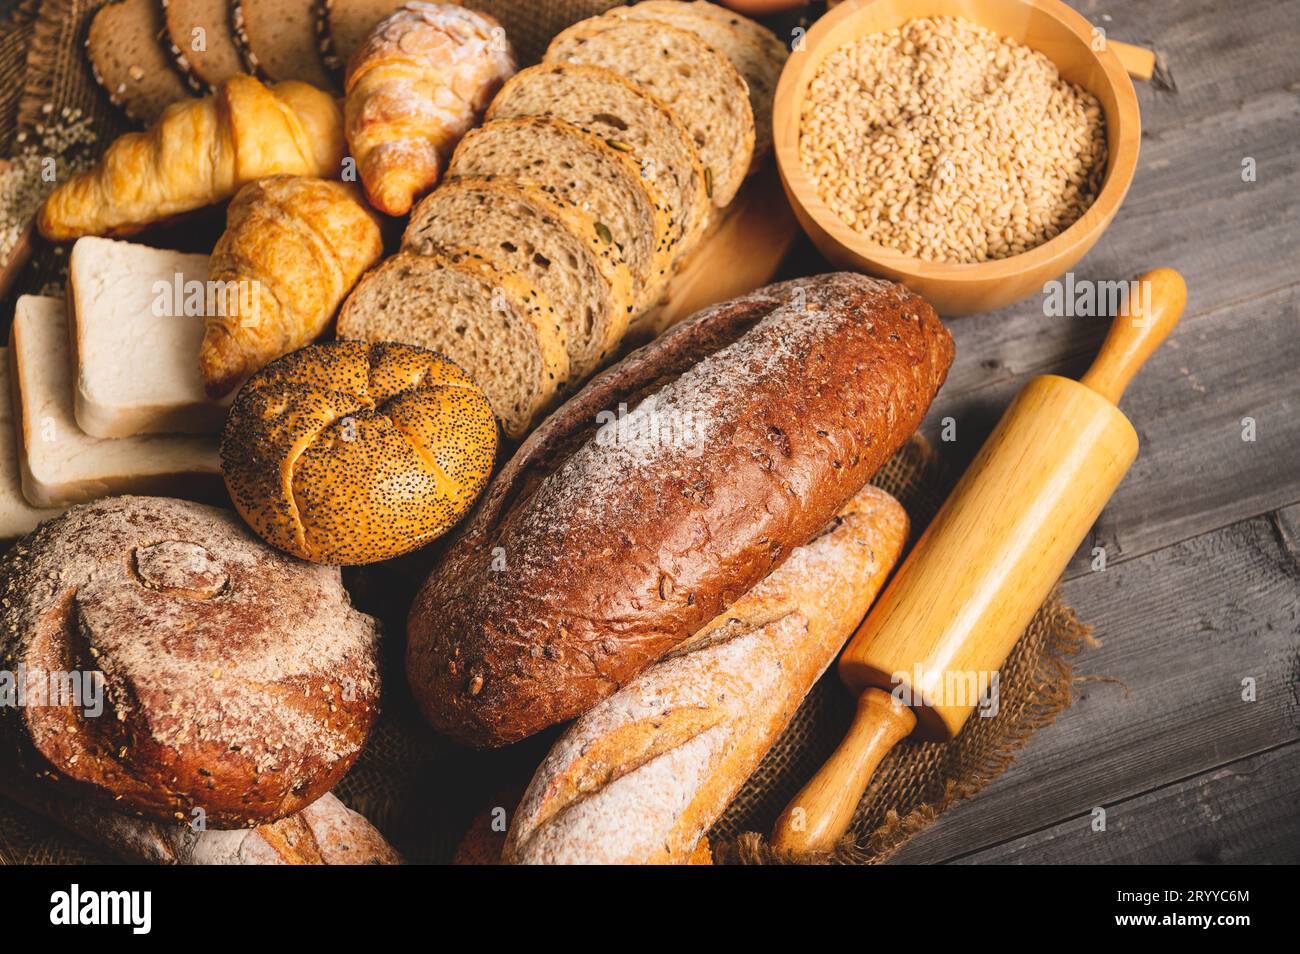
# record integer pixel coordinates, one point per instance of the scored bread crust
(238, 684)
(719, 117)
(784, 402)
(524, 146)
(640, 777)
(587, 351)
(346, 452)
(369, 315)
(595, 110)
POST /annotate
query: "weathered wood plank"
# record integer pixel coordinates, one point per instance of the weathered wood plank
(1195, 472)
(1161, 699)
(1246, 812)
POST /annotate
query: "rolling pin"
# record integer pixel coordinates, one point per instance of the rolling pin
(986, 563)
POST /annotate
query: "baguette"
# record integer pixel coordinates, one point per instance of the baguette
(642, 776)
(615, 550)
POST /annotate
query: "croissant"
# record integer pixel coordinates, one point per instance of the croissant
(198, 153)
(293, 247)
(422, 78)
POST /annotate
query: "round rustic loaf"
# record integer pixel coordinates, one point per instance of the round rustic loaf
(237, 685)
(347, 452)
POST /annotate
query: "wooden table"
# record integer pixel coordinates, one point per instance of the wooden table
(1201, 589)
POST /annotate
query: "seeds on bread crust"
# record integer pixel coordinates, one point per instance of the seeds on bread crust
(129, 62)
(348, 453)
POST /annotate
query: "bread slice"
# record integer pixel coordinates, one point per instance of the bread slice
(127, 59)
(752, 48)
(201, 42)
(628, 118)
(137, 322)
(545, 239)
(278, 40)
(693, 79)
(343, 25)
(17, 516)
(588, 172)
(495, 325)
(60, 464)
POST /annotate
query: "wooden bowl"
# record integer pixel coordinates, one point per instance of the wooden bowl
(1048, 26)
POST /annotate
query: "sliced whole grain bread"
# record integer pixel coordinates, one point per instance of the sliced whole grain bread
(496, 325)
(628, 118)
(201, 42)
(342, 26)
(582, 168)
(278, 40)
(752, 48)
(543, 238)
(696, 81)
(128, 60)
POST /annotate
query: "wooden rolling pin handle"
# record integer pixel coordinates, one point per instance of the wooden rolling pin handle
(817, 818)
(1155, 303)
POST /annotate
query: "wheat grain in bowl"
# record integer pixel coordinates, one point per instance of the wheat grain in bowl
(949, 143)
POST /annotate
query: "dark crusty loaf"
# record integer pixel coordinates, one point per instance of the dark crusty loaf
(237, 683)
(644, 773)
(595, 552)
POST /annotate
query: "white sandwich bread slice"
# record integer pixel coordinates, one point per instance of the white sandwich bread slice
(17, 516)
(61, 464)
(134, 344)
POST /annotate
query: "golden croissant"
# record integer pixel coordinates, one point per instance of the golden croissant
(292, 250)
(423, 77)
(200, 152)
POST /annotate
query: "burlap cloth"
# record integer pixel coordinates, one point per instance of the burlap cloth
(422, 791)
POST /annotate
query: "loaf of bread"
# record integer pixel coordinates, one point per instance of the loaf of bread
(422, 78)
(642, 775)
(595, 552)
(326, 832)
(350, 453)
(220, 681)
(293, 248)
(200, 152)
